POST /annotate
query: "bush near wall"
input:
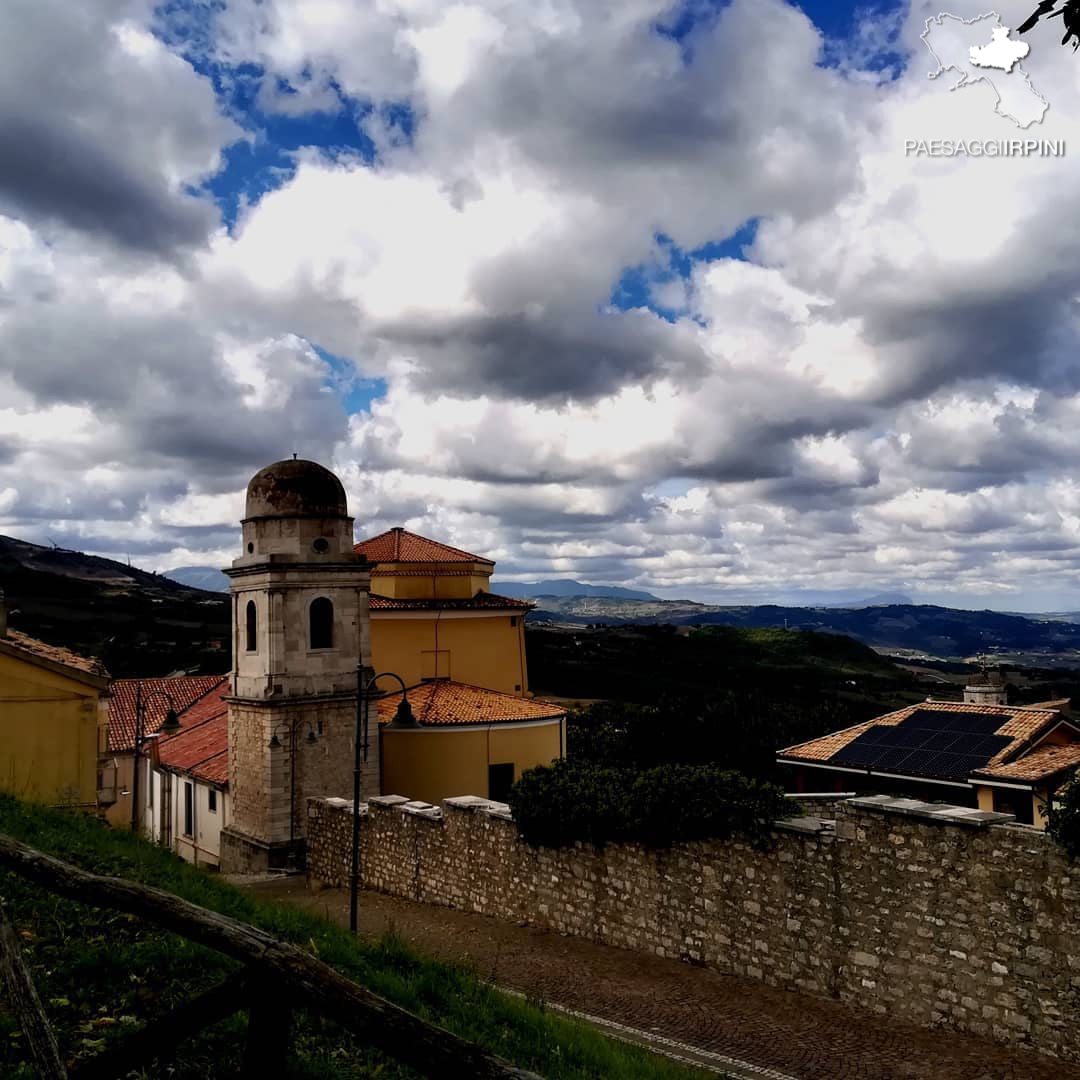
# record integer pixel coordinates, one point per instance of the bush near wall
(1063, 820)
(557, 805)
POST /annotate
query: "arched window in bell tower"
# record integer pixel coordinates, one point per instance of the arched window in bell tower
(321, 617)
(251, 618)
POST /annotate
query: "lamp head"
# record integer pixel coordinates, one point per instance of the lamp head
(403, 715)
(171, 724)
(275, 742)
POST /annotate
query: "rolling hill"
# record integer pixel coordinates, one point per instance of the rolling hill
(136, 622)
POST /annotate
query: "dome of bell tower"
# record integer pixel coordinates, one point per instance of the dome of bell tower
(295, 488)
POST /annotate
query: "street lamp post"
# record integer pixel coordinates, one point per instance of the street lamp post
(169, 726)
(403, 718)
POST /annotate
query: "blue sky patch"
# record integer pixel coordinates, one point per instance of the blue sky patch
(265, 161)
(634, 288)
(356, 393)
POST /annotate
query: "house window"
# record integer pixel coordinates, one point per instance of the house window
(500, 781)
(150, 791)
(252, 625)
(321, 618)
(189, 809)
(211, 800)
(513, 620)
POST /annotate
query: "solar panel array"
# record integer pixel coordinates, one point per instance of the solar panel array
(943, 744)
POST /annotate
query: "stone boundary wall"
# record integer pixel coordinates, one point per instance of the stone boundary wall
(941, 916)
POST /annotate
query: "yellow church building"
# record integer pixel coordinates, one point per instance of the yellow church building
(433, 615)
(461, 650)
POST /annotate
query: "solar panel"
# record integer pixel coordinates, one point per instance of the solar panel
(955, 720)
(944, 744)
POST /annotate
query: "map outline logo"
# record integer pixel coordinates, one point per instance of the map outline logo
(1000, 53)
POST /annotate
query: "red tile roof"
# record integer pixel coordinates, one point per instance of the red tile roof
(201, 749)
(1044, 761)
(1021, 723)
(482, 601)
(183, 690)
(32, 649)
(442, 702)
(401, 546)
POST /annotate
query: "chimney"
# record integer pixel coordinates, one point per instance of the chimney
(3, 615)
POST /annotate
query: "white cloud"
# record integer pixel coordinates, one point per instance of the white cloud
(885, 396)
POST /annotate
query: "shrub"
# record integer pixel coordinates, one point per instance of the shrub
(556, 805)
(1063, 819)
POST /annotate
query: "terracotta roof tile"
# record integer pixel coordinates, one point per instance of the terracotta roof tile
(57, 654)
(201, 750)
(1044, 761)
(1020, 723)
(442, 702)
(481, 601)
(399, 545)
(184, 690)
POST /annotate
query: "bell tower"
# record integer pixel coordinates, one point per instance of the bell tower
(300, 628)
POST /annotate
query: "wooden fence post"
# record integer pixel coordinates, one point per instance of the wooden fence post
(25, 1003)
(269, 1016)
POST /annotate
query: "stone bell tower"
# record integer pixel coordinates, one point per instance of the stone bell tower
(300, 628)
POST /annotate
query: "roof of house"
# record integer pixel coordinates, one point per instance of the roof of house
(998, 734)
(398, 545)
(1042, 762)
(201, 747)
(32, 649)
(201, 751)
(482, 601)
(445, 703)
(181, 690)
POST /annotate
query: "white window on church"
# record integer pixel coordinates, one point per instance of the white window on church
(252, 626)
(321, 617)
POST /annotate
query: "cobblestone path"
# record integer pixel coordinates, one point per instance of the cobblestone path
(805, 1037)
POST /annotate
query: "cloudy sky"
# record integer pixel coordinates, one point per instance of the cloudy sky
(635, 291)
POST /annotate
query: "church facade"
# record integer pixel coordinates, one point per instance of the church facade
(308, 630)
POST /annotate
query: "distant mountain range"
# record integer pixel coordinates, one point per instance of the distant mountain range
(209, 578)
(145, 623)
(566, 587)
(946, 633)
(878, 600)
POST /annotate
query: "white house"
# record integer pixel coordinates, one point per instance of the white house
(187, 783)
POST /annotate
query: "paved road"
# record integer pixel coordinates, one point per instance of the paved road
(725, 1017)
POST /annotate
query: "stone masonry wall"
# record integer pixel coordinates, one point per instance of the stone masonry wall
(942, 919)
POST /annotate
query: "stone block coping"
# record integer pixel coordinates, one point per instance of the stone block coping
(946, 815)
(388, 800)
(467, 802)
(421, 809)
(813, 825)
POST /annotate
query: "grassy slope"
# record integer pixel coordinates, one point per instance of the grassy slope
(99, 972)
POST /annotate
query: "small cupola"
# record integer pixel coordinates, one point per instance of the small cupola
(986, 688)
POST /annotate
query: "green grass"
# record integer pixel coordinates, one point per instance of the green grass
(101, 973)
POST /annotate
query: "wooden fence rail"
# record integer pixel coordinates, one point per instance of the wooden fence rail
(278, 978)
